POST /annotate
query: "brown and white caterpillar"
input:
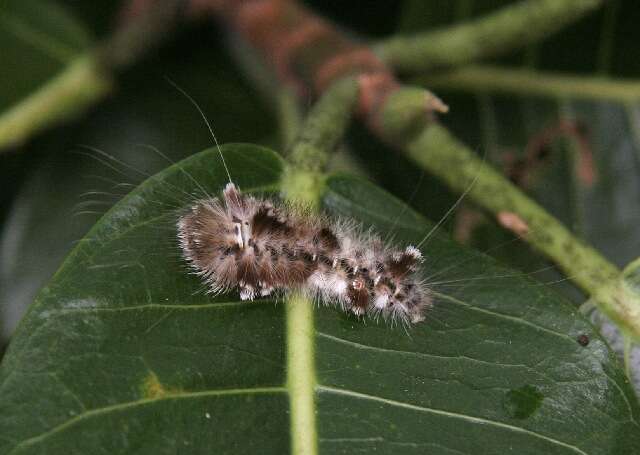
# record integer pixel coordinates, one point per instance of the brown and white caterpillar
(262, 247)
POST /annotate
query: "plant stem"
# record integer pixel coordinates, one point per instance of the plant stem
(79, 86)
(301, 376)
(87, 78)
(509, 28)
(479, 78)
(289, 117)
(302, 183)
(436, 150)
(322, 130)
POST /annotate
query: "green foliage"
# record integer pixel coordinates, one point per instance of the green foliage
(122, 351)
(123, 348)
(56, 190)
(509, 124)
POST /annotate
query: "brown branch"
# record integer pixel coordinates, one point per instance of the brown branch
(309, 54)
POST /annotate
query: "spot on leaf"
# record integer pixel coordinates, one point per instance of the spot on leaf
(152, 387)
(523, 402)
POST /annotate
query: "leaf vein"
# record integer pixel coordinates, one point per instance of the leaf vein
(544, 329)
(415, 354)
(167, 306)
(131, 404)
(454, 415)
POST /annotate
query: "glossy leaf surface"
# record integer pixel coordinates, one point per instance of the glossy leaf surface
(123, 351)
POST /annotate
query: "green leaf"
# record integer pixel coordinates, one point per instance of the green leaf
(123, 351)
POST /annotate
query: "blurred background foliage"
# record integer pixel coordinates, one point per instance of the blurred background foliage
(53, 190)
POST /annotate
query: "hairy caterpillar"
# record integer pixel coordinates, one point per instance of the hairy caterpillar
(262, 247)
(446, 273)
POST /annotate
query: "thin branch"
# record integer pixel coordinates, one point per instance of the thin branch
(509, 28)
(78, 87)
(323, 128)
(495, 79)
(87, 78)
(436, 150)
(289, 117)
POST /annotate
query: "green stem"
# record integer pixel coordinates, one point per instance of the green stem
(289, 116)
(88, 78)
(479, 78)
(301, 375)
(628, 347)
(322, 130)
(436, 150)
(79, 86)
(302, 183)
(509, 28)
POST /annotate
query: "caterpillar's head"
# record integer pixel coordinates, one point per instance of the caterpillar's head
(213, 232)
(241, 212)
(236, 241)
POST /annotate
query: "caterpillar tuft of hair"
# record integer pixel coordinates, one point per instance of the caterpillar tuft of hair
(263, 247)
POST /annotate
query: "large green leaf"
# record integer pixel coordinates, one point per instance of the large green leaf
(124, 352)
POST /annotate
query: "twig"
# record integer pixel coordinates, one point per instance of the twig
(436, 150)
(323, 128)
(484, 78)
(87, 78)
(509, 28)
(289, 117)
(78, 87)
